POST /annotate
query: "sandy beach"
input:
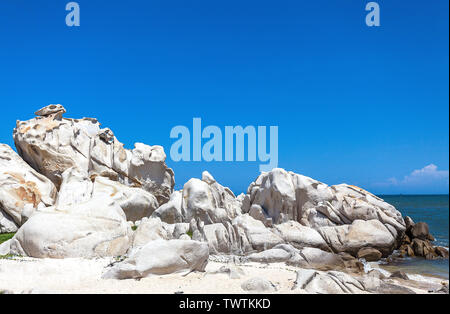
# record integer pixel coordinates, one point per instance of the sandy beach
(29, 275)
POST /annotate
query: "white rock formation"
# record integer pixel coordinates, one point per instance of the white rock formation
(5, 247)
(150, 230)
(95, 228)
(135, 202)
(203, 199)
(51, 144)
(21, 187)
(300, 236)
(318, 282)
(7, 224)
(361, 233)
(258, 285)
(305, 257)
(161, 257)
(285, 196)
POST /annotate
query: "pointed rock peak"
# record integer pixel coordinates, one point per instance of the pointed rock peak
(51, 109)
(207, 177)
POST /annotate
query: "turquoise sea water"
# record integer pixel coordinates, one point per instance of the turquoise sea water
(434, 210)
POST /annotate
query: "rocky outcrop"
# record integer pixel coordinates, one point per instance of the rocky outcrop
(203, 199)
(258, 285)
(21, 189)
(369, 254)
(161, 257)
(51, 144)
(361, 233)
(78, 192)
(305, 258)
(289, 196)
(332, 282)
(340, 213)
(95, 228)
(417, 241)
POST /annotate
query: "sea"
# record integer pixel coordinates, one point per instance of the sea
(434, 210)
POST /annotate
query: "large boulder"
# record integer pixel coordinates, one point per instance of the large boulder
(254, 235)
(77, 187)
(332, 282)
(161, 257)
(369, 254)
(304, 257)
(135, 202)
(51, 144)
(203, 199)
(7, 224)
(420, 230)
(289, 196)
(95, 228)
(361, 233)
(150, 230)
(283, 198)
(21, 189)
(300, 236)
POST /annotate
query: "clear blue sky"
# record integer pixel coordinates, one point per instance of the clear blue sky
(366, 106)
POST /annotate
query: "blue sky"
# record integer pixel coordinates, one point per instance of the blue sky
(366, 106)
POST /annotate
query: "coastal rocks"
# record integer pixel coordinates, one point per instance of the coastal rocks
(318, 282)
(203, 199)
(51, 144)
(135, 202)
(7, 224)
(369, 254)
(95, 228)
(150, 230)
(161, 257)
(300, 236)
(399, 274)
(420, 231)
(289, 196)
(171, 211)
(255, 233)
(280, 197)
(351, 238)
(5, 247)
(417, 242)
(304, 258)
(77, 187)
(21, 187)
(258, 284)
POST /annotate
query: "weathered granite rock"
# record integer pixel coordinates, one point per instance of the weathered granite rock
(304, 257)
(420, 230)
(171, 212)
(150, 230)
(257, 284)
(5, 247)
(300, 236)
(399, 274)
(95, 228)
(255, 234)
(312, 281)
(369, 254)
(7, 224)
(20, 187)
(161, 257)
(203, 199)
(135, 202)
(351, 238)
(51, 144)
(289, 196)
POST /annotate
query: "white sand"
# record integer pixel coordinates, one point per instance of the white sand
(28, 275)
